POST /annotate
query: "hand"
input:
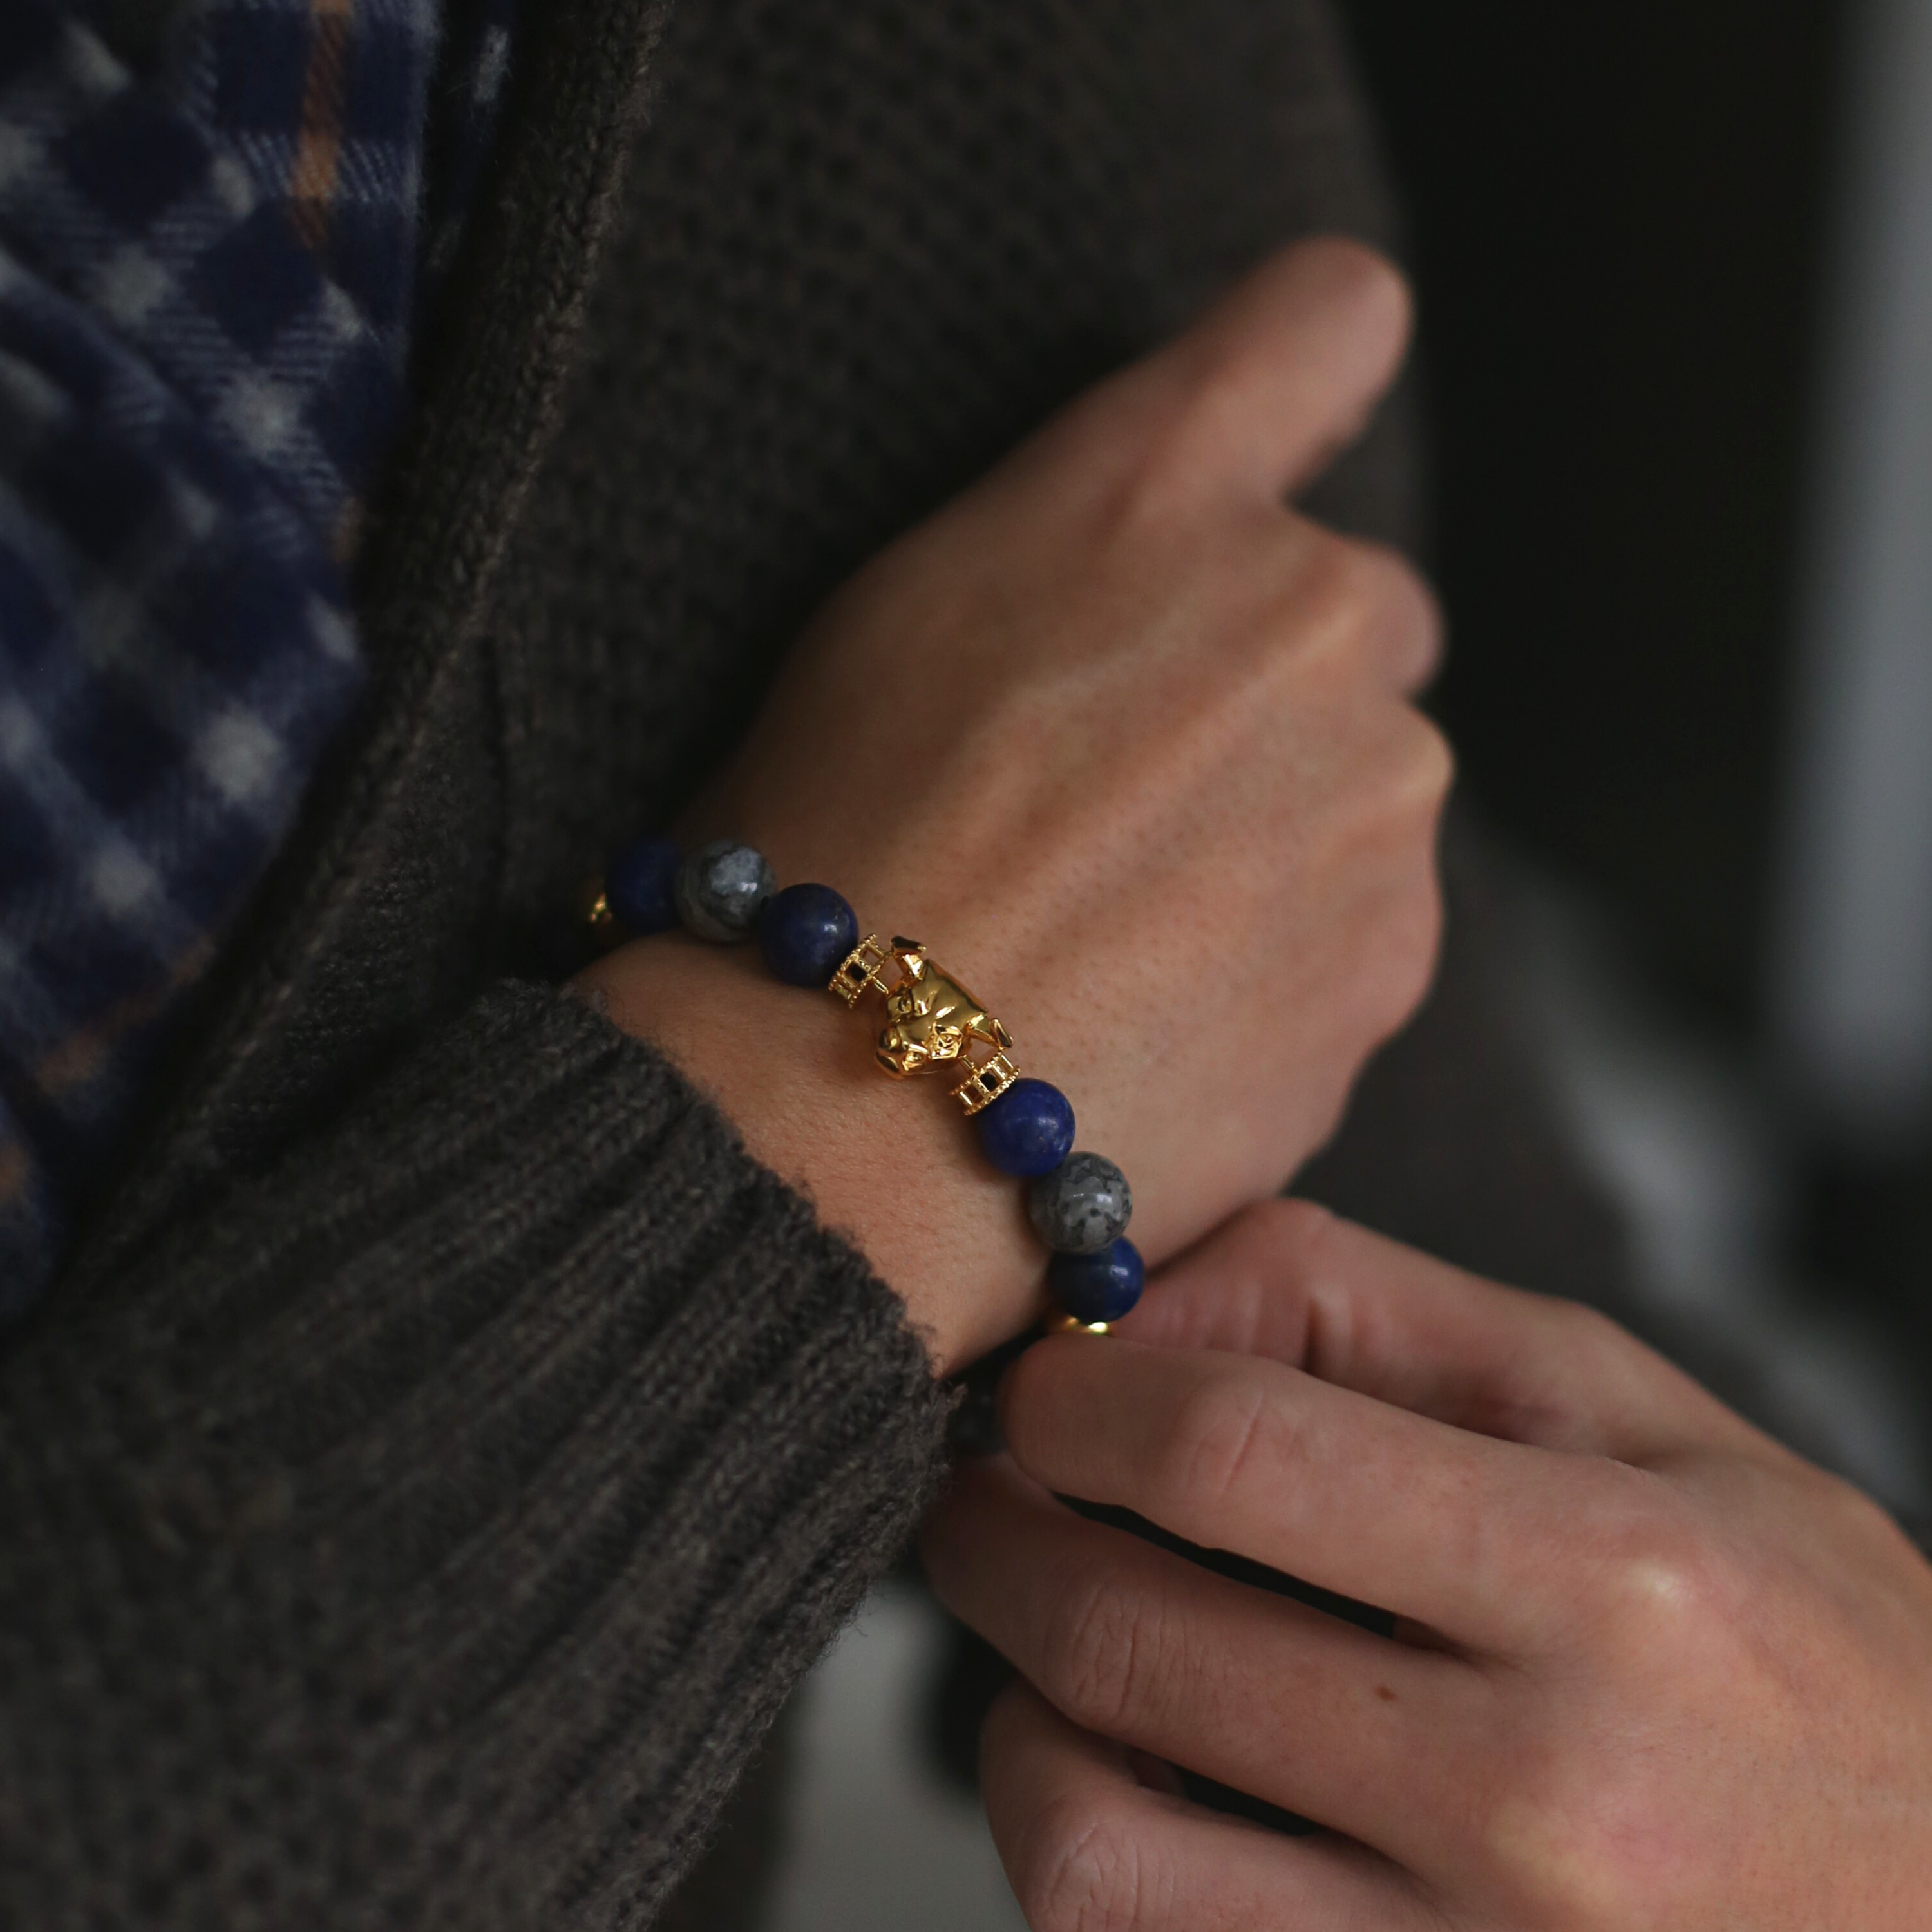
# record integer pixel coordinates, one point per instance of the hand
(1652, 1671)
(1127, 743)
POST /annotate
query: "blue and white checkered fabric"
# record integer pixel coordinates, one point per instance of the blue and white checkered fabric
(206, 278)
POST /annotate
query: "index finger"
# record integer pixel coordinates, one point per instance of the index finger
(1256, 396)
(1290, 1280)
(1449, 1529)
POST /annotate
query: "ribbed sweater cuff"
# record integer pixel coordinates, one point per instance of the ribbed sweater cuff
(495, 1462)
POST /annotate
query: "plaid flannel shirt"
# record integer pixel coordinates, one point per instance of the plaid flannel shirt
(209, 252)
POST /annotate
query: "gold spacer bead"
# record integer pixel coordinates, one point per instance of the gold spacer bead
(594, 905)
(1072, 1325)
(859, 969)
(984, 1084)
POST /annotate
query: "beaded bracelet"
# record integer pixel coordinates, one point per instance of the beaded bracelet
(1079, 1204)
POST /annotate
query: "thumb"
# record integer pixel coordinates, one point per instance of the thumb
(1288, 1280)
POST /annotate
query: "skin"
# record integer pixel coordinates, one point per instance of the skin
(1128, 743)
(1652, 1670)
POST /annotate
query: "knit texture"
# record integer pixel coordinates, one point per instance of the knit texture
(448, 1448)
(451, 1542)
(207, 269)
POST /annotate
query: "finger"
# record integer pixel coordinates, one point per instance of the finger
(1270, 384)
(1261, 1693)
(1458, 1532)
(1288, 1280)
(1334, 588)
(1085, 1844)
(1409, 620)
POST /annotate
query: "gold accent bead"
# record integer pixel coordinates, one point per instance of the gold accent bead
(984, 1084)
(594, 906)
(1072, 1325)
(860, 968)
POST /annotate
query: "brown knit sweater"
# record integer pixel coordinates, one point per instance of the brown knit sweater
(449, 1447)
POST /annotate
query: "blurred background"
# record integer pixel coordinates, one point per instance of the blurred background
(1675, 261)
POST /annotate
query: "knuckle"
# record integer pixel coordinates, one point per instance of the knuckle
(1591, 1338)
(1333, 590)
(1357, 609)
(1414, 616)
(1551, 1842)
(1401, 835)
(1672, 1581)
(1098, 1646)
(1079, 1871)
(1670, 1590)
(1425, 766)
(1387, 584)
(1401, 588)
(1218, 1434)
(1585, 1327)
(1296, 1234)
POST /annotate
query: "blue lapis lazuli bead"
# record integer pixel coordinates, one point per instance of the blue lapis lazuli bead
(640, 886)
(806, 932)
(1099, 1287)
(1028, 1131)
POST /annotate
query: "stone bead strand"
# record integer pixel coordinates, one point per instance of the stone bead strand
(1081, 1210)
(722, 889)
(1079, 1204)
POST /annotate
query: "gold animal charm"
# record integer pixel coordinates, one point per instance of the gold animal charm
(932, 1022)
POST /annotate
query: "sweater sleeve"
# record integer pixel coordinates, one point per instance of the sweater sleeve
(424, 1536)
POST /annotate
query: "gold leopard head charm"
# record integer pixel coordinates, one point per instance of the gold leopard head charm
(931, 1020)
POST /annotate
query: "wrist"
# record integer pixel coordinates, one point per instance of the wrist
(880, 1161)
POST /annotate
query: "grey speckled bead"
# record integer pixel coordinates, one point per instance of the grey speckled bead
(1083, 1204)
(720, 888)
